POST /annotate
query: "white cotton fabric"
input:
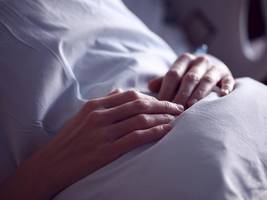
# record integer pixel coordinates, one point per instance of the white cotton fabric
(56, 54)
(216, 150)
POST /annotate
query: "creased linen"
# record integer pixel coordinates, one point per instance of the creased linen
(57, 54)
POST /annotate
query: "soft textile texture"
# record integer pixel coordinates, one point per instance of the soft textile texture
(56, 54)
(217, 150)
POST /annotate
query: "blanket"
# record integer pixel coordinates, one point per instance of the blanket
(56, 55)
(216, 150)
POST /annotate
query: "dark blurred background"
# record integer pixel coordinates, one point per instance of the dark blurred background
(235, 31)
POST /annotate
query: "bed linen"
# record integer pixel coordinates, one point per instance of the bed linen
(57, 54)
(216, 151)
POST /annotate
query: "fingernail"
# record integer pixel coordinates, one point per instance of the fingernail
(180, 107)
(225, 92)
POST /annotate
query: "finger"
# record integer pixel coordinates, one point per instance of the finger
(207, 83)
(112, 101)
(108, 102)
(173, 77)
(155, 84)
(122, 98)
(191, 79)
(227, 84)
(94, 111)
(138, 122)
(116, 91)
(140, 106)
(139, 138)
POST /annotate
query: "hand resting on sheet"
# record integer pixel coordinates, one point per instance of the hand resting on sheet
(108, 127)
(191, 78)
(102, 131)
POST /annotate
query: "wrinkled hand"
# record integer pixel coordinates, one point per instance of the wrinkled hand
(191, 78)
(104, 129)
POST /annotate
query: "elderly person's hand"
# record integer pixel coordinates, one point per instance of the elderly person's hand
(191, 78)
(105, 129)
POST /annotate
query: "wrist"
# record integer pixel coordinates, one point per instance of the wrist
(32, 180)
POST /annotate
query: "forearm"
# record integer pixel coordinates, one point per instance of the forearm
(30, 181)
(45, 174)
(93, 138)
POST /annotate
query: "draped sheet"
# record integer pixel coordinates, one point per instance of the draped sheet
(57, 54)
(216, 150)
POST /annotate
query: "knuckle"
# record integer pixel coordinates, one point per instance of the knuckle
(208, 79)
(228, 80)
(153, 98)
(166, 118)
(167, 105)
(132, 94)
(184, 94)
(202, 59)
(192, 77)
(173, 74)
(169, 117)
(159, 129)
(143, 119)
(95, 117)
(90, 105)
(186, 56)
(141, 104)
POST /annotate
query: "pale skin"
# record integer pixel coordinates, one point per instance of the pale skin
(106, 128)
(101, 132)
(191, 78)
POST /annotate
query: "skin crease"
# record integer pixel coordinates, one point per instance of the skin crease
(191, 78)
(101, 132)
(108, 127)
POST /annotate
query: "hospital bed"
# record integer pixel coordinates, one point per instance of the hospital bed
(216, 150)
(224, 26)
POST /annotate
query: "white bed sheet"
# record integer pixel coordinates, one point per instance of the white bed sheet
(216, 150)
(56, 54)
